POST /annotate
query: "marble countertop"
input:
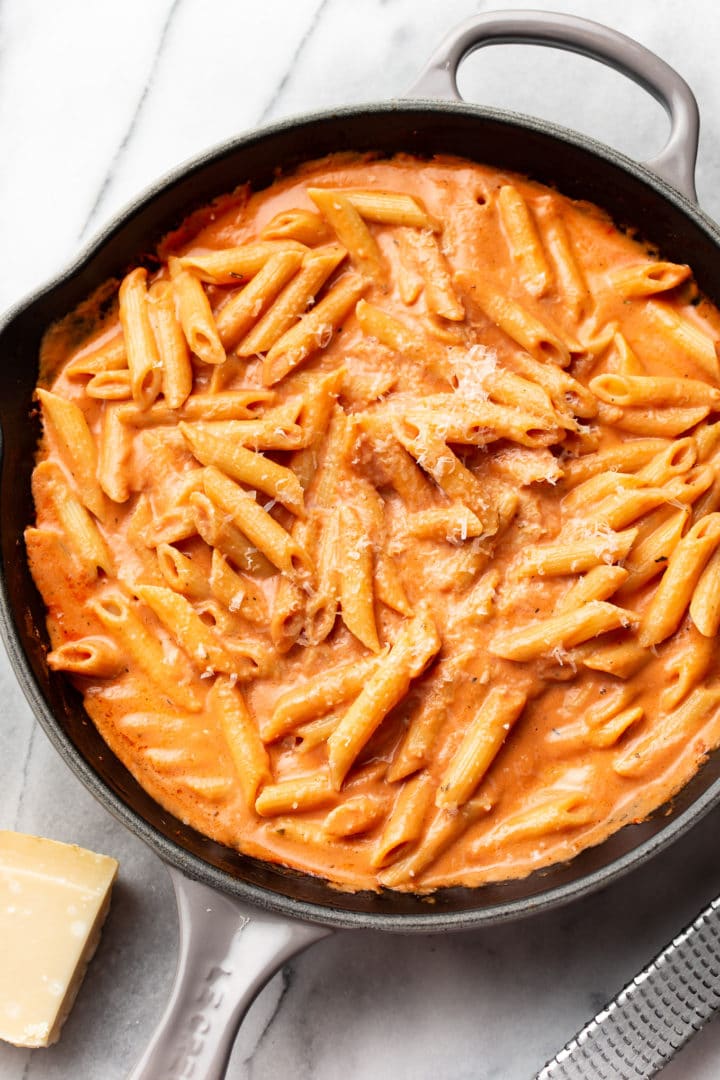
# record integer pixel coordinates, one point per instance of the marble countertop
(99, 98)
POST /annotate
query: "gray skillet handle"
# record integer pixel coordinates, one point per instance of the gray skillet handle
(654, 1016)
(676, 161)
(228, 952)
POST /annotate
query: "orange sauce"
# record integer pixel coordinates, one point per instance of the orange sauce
(561, 752)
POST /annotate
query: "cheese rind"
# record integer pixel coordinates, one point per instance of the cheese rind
(54, 898)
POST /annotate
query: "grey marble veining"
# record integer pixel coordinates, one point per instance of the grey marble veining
(97, 99)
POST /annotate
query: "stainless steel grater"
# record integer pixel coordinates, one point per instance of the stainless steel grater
(641, 1029)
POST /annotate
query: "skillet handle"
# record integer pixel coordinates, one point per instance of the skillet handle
(228, 951)
(676, 161)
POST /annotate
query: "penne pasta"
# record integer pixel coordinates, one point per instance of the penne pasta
(389, 331)
(404, 825)
(414, 648)
(350, 229)
(255, 523)
(110, 356)
(561, 631)
(294, 796)
(321, 607)
(357, 594)
(446, 469)
(246, 467)
(195, 315)
(206, 651)
(480, 423)
(444, 829)
(390, 208)
(686, 667)
(288, 614)
(316, 732)
(389, 587)
(303, 226)
(686, 335)
(415, 750)
(648, 747)
(231, 266)
(141, 350)
(651, 390)
(241, 311)
(568, 395)
(599, 583)
(181, 573)
(705, 602)
(610, 732)
(627, 505)
(440, 295)
(624, 360)
(684, 568)
(623, 659)
(314, 330)
(625, 458)
(596, 488)
(557, 243)
(483, 739)
(110, 386)
(523, 240)
(580, 555)
(93, 657)
(647, 279)
(238, 727)
(318, 696)
(275, 431)
(651, 555)
(566, 810)
(666, 423)
(513, 319)
(223, 536)
(674, 460)
(177, 374)
(123, 620)
(358, 814)
(77, 524)
(707, 439)
(291, 304)
(220, 406)
(77, 448)
(239, 594)
(115, 456)
(708, 501)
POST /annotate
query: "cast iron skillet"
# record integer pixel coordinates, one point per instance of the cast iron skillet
(220, 892)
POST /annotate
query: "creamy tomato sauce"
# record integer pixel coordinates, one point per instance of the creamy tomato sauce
(456, 507)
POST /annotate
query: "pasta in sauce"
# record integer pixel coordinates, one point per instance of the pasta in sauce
(380, 526)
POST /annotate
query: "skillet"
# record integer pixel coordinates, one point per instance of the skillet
(211, 994)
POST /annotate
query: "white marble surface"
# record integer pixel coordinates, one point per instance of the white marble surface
(97, 99)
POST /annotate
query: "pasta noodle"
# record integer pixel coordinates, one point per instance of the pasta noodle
(380, 529)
